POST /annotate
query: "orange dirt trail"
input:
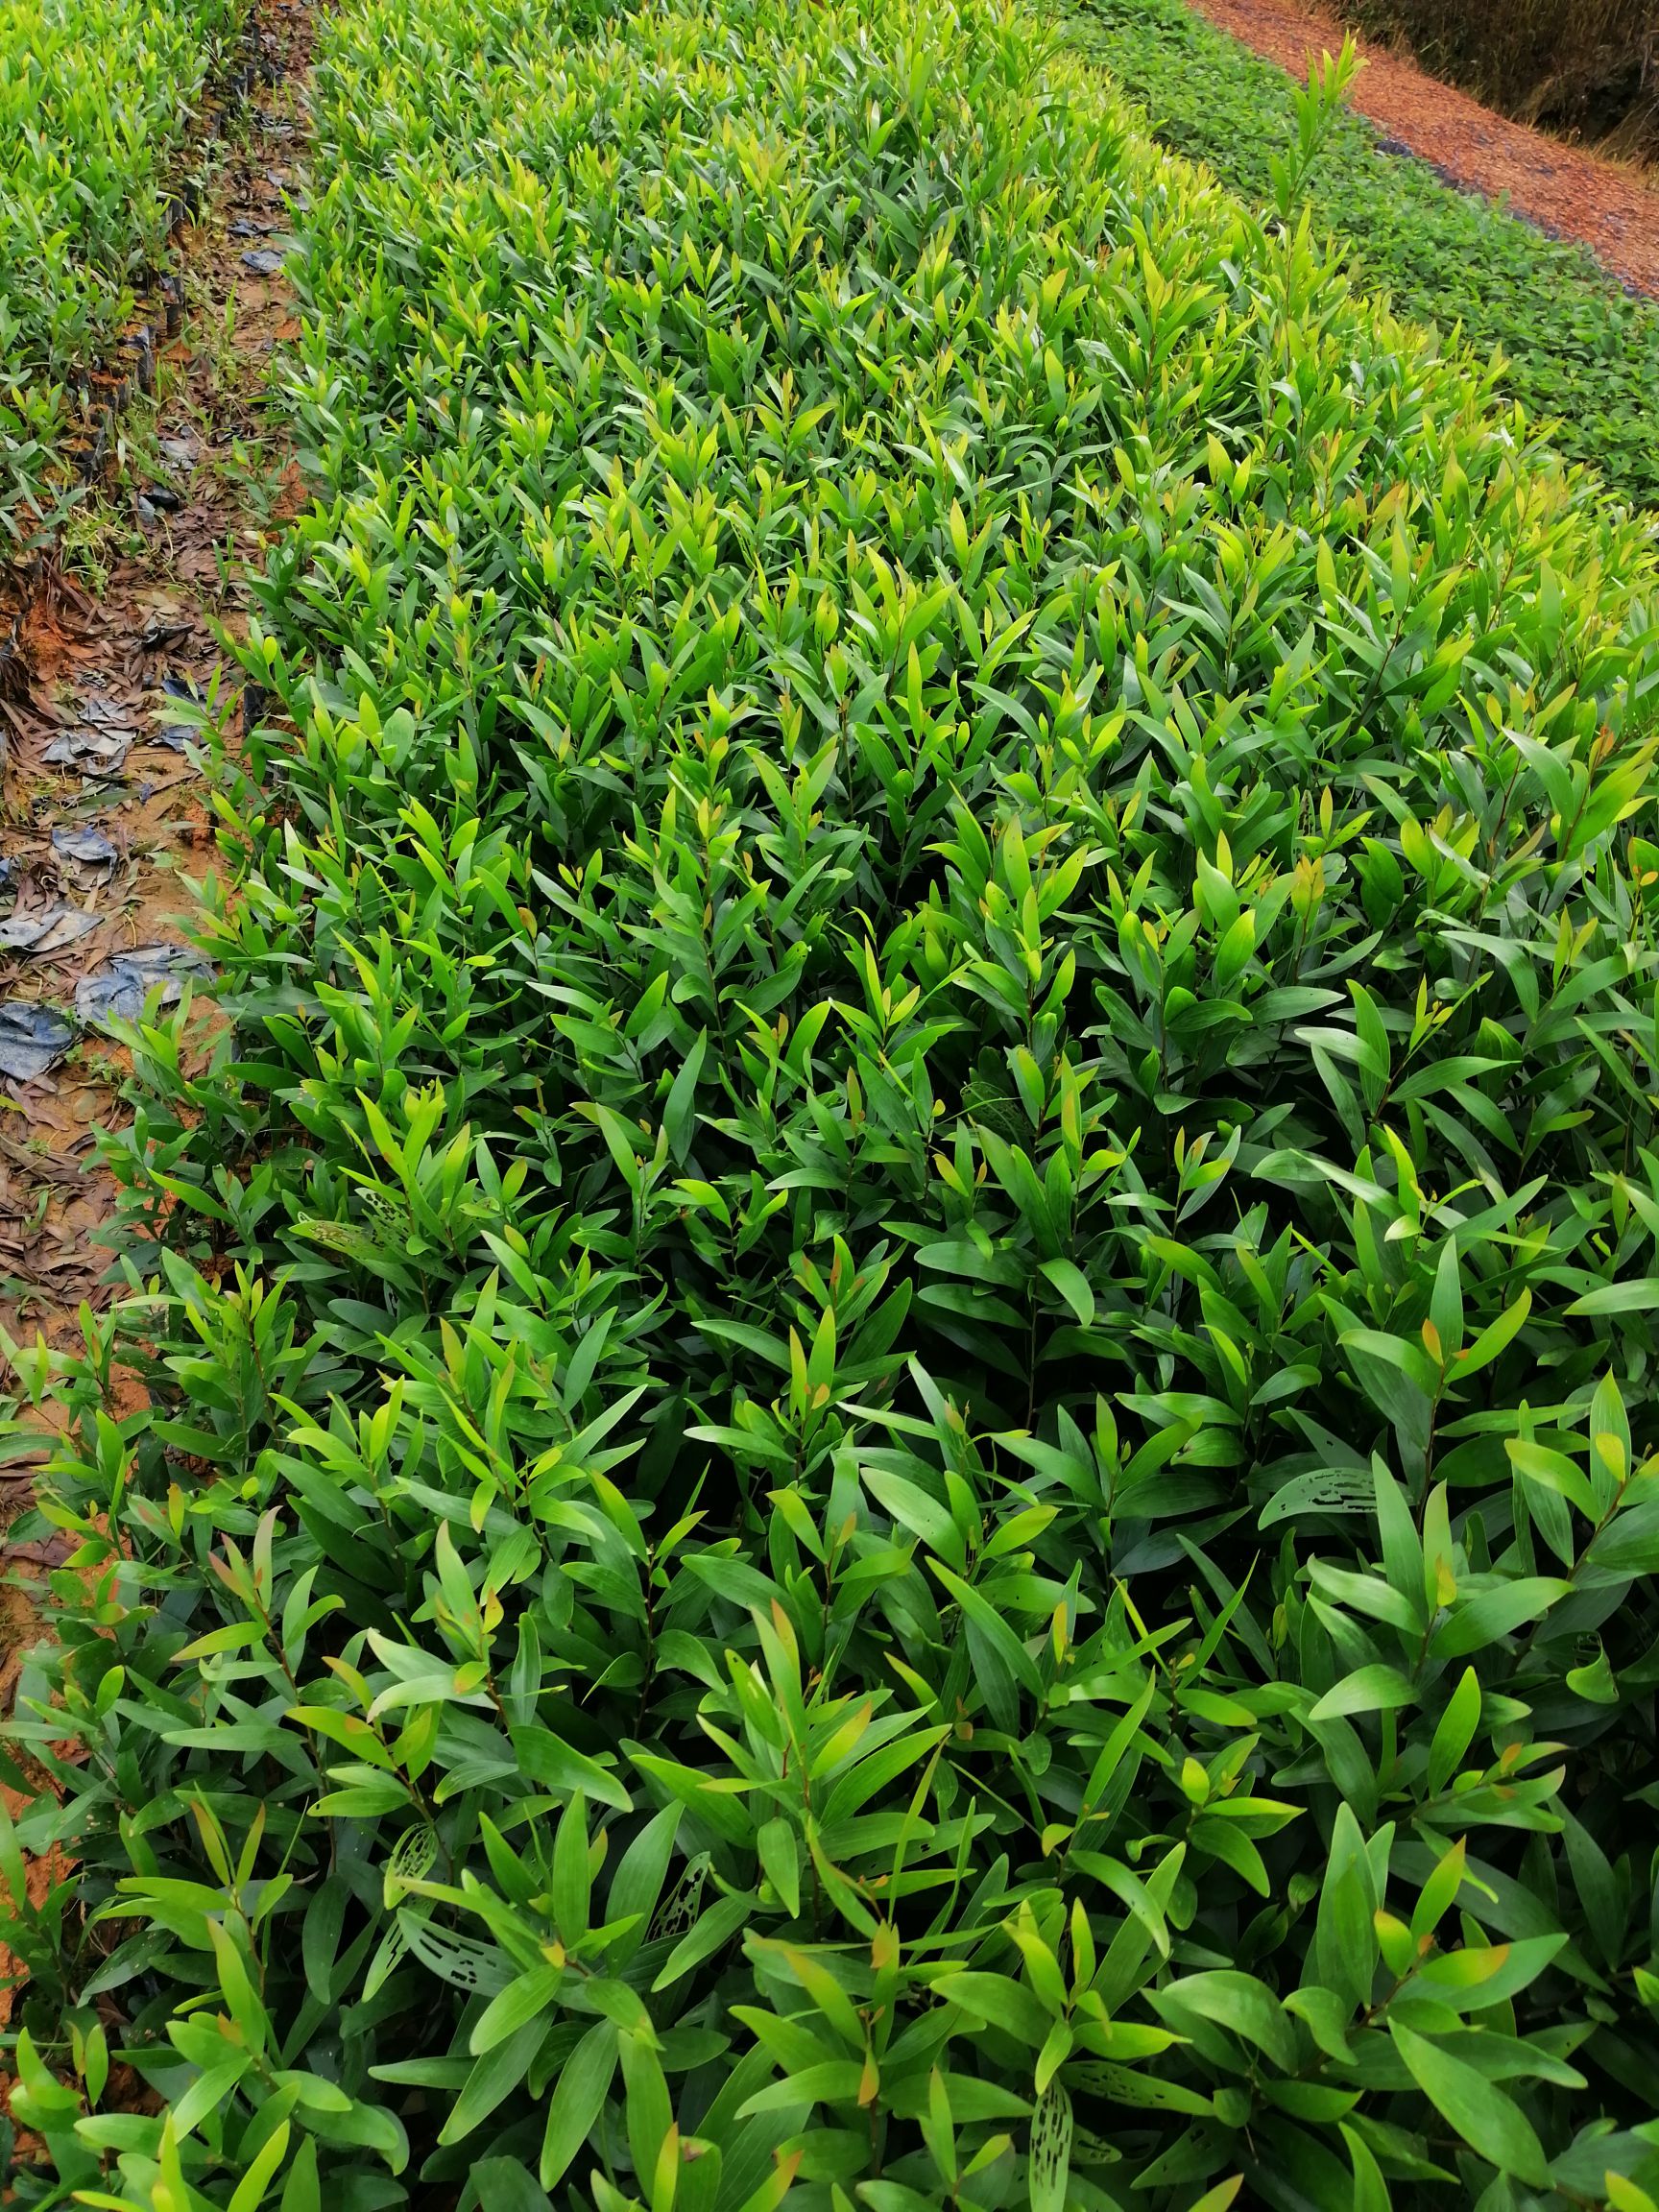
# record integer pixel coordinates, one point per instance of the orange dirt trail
(1610, 208)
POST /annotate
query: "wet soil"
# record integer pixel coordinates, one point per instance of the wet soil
(1566, 191)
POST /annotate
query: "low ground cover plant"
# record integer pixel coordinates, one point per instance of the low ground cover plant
(899, 1445)
(1578, 351)
(95, 99)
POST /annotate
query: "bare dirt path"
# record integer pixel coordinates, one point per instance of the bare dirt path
(1569, 193)
(104, 815)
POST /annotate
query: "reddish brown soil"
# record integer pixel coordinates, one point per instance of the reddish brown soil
(1612, 209)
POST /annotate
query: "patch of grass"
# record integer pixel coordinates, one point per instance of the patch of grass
(1580, 354)
(92, 537)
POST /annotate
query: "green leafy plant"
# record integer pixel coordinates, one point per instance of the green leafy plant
(896, 1446)
(1317, 104)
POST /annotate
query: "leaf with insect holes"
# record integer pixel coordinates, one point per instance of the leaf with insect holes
(677, 1910)
(1050, 2150)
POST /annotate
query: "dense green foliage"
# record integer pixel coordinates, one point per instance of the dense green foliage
(901, 1369)
(1578, 351)
(95, 99)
